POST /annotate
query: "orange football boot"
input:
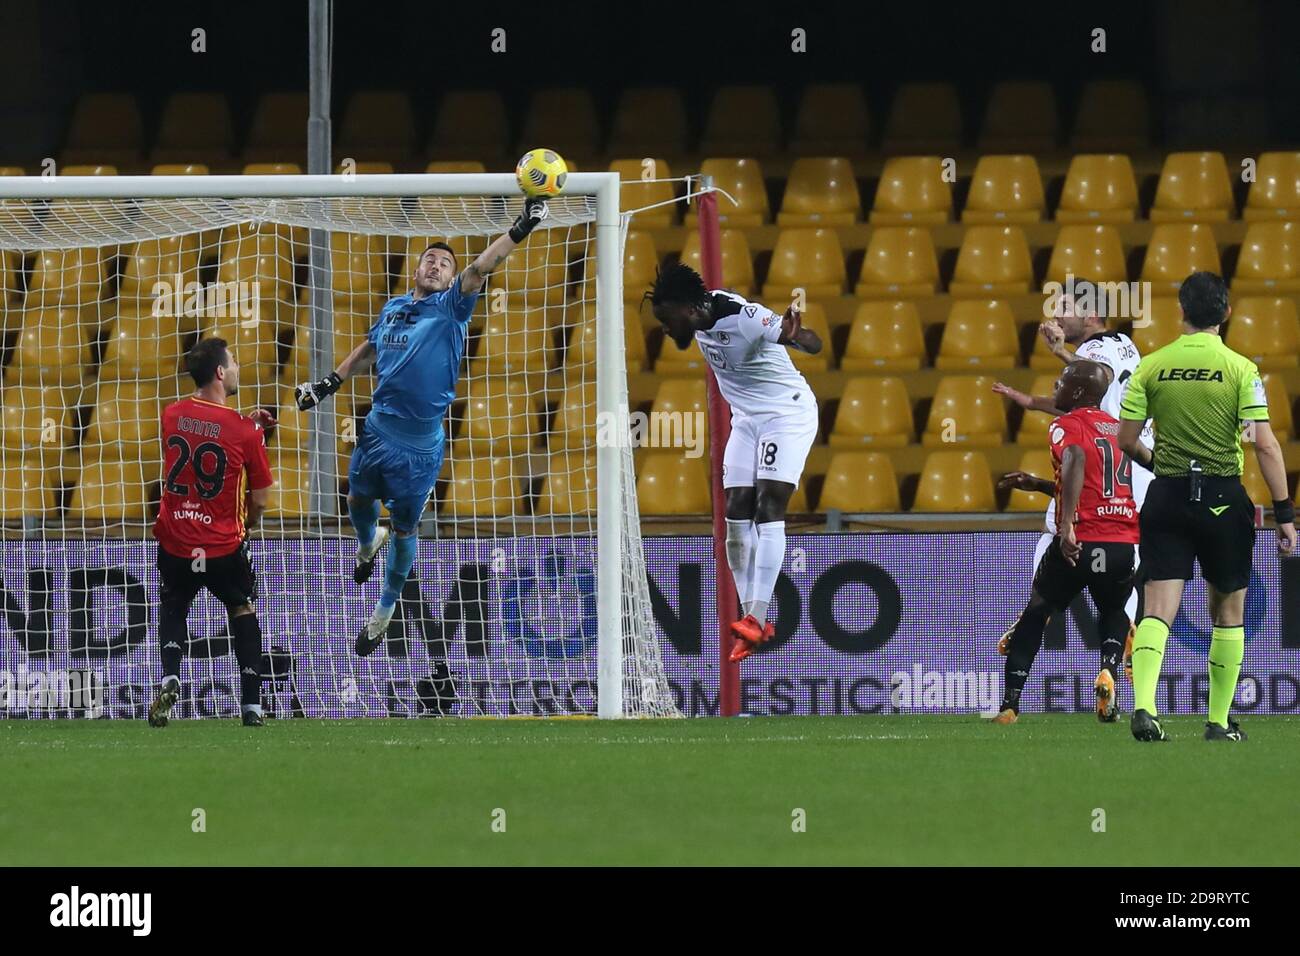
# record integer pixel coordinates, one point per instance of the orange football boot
(743, 645)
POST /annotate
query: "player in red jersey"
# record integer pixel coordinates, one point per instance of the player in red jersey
(1097, 523)
(216, 484)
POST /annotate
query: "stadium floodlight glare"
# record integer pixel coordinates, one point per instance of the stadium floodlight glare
(110, 279)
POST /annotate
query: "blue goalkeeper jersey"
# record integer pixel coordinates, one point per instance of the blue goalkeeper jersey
(419, 345)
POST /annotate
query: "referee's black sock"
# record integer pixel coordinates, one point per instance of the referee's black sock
(1026, 639)
(248, 652)
(173, 635)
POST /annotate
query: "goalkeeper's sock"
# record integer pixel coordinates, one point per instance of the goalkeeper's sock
(365, 518)
(401, 555)
(173, 635)
(742, 542)
(248, 652)
(768, 558)
(1227, 648)
(1148, 653)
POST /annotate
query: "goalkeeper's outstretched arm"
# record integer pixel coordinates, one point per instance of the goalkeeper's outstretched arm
(357, 362)
(471, 280)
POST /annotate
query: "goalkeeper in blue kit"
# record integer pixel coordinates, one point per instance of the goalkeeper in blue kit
(416, 346)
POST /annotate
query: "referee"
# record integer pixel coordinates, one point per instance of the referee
(1198, 392)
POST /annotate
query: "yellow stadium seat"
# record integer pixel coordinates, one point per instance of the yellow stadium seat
(538, 271)
(1162, 325)
(742, 180)
(180, 169)
(808, 259)
(24, 492)
(684, 397)
(194, 126)
(481, 487)
(37, 420)
(263, 259)
(113, 491)
(126, 420)
(564, 119)
(51, 349)
(966, 411)
(643, 182)
(649, 121)
(1275, 194)
(1021, 117)
(470, 123)
(291, 486)
(1194, 187)
(582, 348)
(832, 120)
(1039, 464)
(1090, 252)
(1269, 262)
(1176, 250)
(912, 192)
(575, 419)
(279, 129)
(377, 125)
(105, 128)
(358, 266)
(1279, 404)
(11, 291)
(255, 347)
(742, 121)
(89, 169)
(978, 334)
(737, 263)
(674, 361)
(820, 192)
(173, 261)
(860, 481)
(874, 411)
(142, 346)
(498, 418)
(884, 337)
(516, 342)
(569, 487)
(1112, 115)
(814, 318)
(925, 117)
(72, 277)
(1266, 331)
(900, 263)
(956, 481)
(1033, 426)
(993, 261)
(640, 263)
(1004, 189)
(1098, 189)
(1253, 479)
(670, 483)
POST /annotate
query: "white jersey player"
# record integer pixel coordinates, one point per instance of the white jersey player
(773, 426)
(1085, 329)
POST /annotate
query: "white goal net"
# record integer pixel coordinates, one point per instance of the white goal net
(529, 593)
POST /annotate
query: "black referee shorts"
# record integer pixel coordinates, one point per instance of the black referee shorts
(1105, 568)
(1218, 530)
(229, 578)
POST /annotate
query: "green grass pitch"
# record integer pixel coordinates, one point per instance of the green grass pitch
(874, 790)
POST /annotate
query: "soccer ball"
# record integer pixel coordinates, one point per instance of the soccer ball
(541, 172)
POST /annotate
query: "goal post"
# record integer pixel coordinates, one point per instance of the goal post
(569, 285)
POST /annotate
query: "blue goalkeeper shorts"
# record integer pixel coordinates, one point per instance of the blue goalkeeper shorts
(402, 479)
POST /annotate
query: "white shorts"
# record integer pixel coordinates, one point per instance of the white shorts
(773, 446)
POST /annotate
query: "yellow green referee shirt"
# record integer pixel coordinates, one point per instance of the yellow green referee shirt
(1197, 391)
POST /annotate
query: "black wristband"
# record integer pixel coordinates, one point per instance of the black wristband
(1284, 512)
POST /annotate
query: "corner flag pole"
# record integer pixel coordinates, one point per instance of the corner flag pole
(719, 431)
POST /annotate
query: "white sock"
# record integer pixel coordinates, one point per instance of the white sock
(379, 619)
(251, 709)
(742, 541)
(171, 679)
(768, 558)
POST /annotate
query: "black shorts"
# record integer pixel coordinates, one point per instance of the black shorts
(1218, 530)
(229, 578)
(1105, 568)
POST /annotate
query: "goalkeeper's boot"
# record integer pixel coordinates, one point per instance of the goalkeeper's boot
(437, 692)
(1232, 732)
(1107, 700)
(372, 634)
(252, 718)
(366, 556)
(745, 644)
(1005, 716)
(161, 708)
(1146, 728)
(1128, 652)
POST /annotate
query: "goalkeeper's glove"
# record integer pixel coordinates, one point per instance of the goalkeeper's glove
(309, 396)
(535, 211)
